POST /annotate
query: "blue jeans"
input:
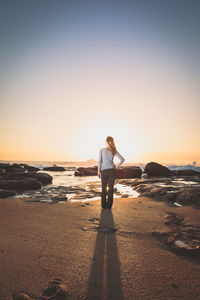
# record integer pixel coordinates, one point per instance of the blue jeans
(107, 179)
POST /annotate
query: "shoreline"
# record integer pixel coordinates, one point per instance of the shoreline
(91, 250)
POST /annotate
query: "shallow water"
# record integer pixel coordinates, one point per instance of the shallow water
(74, 188)
(67, 187)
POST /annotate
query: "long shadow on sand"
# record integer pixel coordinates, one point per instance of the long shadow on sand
(104, 279)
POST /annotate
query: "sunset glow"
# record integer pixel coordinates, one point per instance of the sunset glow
(93, 71)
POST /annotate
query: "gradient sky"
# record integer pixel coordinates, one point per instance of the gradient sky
(73, 72)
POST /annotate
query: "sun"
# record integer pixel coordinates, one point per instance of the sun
(91, 136)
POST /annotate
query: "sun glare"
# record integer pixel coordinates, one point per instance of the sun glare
(91, 137)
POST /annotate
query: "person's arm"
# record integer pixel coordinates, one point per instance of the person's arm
(99, 162)
(121, 159)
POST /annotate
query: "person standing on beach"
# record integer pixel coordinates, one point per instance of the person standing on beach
(107, 170)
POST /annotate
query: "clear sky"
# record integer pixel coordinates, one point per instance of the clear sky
(73, 72)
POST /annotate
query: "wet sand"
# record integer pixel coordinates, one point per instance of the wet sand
(99, 254)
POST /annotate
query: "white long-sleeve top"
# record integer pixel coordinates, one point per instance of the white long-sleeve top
(105, 160)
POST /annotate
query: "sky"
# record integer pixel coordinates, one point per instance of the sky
(74, 72)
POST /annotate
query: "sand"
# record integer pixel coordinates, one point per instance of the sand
(99, 254)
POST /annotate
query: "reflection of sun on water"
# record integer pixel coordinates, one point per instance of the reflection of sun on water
(91, 137)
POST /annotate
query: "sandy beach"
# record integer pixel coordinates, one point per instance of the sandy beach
(99, 254)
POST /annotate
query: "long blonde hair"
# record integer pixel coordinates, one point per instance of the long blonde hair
(111, 143)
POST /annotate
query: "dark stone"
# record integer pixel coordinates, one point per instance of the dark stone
(186, 172)
(44, 178)
(189, 196)
(90, 171)
(76, 173)
(20, 185)
(59, 198)
(6, 193)
(183, 238)
(19, 175)
(17, 167)
(4, 165)
(151, 191)
(56, 290)
(30, 168)
(21, 296)
(128, 172)
(155, 169)
(54, 168)
(122, 172)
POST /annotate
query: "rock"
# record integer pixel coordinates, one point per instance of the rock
(182, 238)
(21, 296)
(122, 172)
(5, 166)
(155, 169)
(29, 168)
(186, 172)
(59, 198)
(152, 191)
(18, 175)
(54, 168)
(90, 171)
(14, 169)
(6, 193)
(20, 185)
(148, 180)
(189, 196)
(56, 290)
(43, 177)
(172, 219)
(17, 167)
(128, 172)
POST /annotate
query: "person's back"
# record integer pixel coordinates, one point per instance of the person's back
(106, 159)
(107, 170)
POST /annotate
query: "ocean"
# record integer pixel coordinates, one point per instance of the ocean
(67, 187)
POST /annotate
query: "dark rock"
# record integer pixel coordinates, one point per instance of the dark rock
(4, 165)
(128, 172)
(186, 172)
(30, 168)
(19, 175)
(189, 196)
(17, 167)
(172, 219)
(14, 169)
(171, 197)
(183, 239)
(21, 296)
(59, 198)
(43, 177)
(151, 191)
(20, 185)
(90, 171)
(6, 193)
(122, 172)
(56, 290)
(155, 169)
(54, 168)
(76, 173)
